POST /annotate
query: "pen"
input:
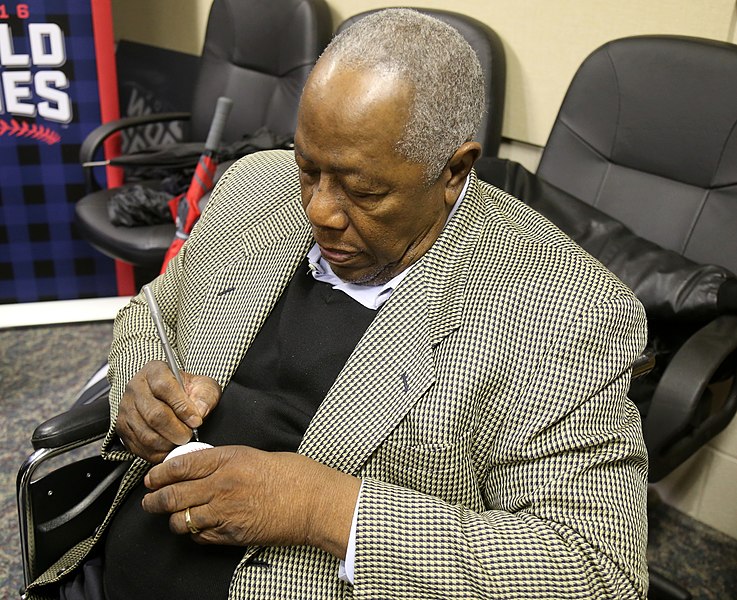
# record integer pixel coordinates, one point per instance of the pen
(168, 351)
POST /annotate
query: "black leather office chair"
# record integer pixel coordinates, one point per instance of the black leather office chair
(646, 134)
(641, 169)
(256, 52)
(490, 51)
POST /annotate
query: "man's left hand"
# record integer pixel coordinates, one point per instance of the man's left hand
(238, 495)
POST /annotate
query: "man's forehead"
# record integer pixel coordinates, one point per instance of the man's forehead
(342, 164)
(376, 78)
(355, 106)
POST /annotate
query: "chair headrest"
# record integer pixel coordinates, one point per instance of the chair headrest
(661, 104)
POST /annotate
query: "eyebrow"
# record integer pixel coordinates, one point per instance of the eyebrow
(341, 170)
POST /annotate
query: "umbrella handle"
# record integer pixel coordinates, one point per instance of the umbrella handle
(222, 110)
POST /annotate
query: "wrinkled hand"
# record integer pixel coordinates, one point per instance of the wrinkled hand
(155, 414)
(242, 496)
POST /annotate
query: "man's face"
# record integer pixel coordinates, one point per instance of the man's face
(371, 210)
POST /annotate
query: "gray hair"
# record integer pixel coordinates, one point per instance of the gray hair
(440, 66)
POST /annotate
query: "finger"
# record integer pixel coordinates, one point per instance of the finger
(170, 499)
(211, 536)
(203, 391)
(177, 497)
(186, 467)
(137, 436)
(199, 522)
(158, 420)
(142, 441)
(178, 522)
(164, 405)
(204, 526)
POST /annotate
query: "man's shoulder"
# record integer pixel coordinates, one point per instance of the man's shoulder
(547, 255)
(255, 187)
(273, 168)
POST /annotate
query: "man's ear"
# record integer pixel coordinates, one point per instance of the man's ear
(458, 168)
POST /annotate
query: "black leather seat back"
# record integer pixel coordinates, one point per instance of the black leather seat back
(646, 133)
(490, 50)
(259, 53)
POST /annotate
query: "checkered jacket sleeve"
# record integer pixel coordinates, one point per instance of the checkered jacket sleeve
(217, 243)
(559, 509)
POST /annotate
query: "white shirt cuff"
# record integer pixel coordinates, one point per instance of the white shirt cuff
(345, 571)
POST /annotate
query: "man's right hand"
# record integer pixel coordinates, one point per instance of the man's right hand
(155, 414)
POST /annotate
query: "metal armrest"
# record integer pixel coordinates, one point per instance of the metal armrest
(72, 493)
(675, 426)
(662, 588)
(98, 135)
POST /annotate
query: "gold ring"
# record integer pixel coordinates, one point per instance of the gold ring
(188, 521)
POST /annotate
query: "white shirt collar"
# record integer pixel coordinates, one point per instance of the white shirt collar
(370, 296)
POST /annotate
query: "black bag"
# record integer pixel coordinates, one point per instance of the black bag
(174, 165)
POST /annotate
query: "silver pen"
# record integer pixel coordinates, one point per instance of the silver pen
(168, 351)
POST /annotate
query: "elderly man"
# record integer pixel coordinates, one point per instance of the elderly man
(424, 382)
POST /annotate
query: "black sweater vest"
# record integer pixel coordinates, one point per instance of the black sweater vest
(268, 404)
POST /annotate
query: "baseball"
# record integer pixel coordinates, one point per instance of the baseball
(187, 448)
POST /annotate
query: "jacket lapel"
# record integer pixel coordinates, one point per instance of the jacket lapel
(392, 367)
(242, 293)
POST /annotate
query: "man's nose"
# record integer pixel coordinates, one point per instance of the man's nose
(324, 206)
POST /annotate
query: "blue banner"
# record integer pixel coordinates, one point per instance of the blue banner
(50, 99)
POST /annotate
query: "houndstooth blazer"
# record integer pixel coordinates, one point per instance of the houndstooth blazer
(485, 407)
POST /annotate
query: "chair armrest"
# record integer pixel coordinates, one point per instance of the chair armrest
(83, 422)
(99, 134)
(677, 423)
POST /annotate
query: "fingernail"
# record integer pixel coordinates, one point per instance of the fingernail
(194, 421)
(184, 439)
(202, 406)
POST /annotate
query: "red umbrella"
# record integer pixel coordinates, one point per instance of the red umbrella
(185, 207)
